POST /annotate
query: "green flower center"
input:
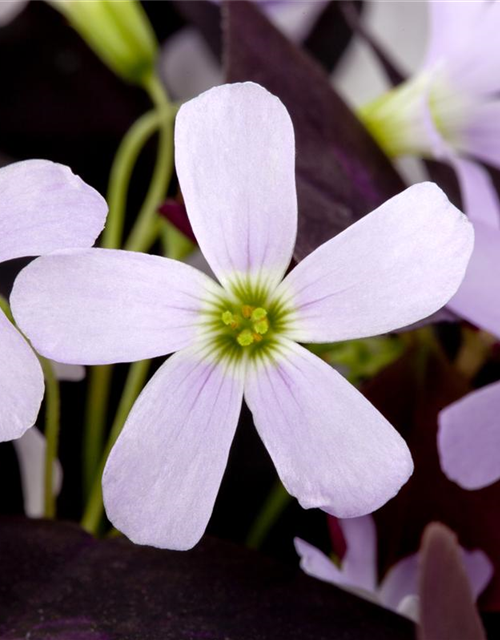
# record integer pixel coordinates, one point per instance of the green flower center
(246, 323)
(249, 326)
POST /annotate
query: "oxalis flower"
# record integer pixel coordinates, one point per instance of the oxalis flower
(235, 157)
(357, 571)
(43, 207)
(450, 111)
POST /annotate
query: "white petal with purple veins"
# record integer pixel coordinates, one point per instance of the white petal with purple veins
(235, 158)
(332, 449)
(45, 207)
(394, 267)
(21, 383)
(164, 472)
(98, 306)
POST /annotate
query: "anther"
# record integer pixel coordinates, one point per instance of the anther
(245, 338)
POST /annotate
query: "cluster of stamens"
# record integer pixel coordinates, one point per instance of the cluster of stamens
(250, 325)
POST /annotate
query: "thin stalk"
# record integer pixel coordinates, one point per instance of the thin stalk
(121, 172)
(145, 231)
(276, 502)
(135, 381)
(52, 428)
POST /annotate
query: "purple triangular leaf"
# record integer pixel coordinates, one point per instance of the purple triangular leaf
(341, 173)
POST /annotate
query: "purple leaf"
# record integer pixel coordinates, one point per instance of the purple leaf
(447, 609)
(341, 173)
(58, 583)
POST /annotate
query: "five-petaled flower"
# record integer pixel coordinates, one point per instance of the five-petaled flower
(235, 159)
(450, 111)
(43, 207)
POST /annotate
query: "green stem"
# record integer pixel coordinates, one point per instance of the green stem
(52, 426)
(121, 172)
(133, 385)
(95, 422)
(276, 502)
(145, 230)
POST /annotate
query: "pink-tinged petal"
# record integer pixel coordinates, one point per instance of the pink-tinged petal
(21, 383)
(469, 438)
(45, 207)
(164, 472)
(400, 581)
(316, 564)
(359, 564)
(479, 194)
(397, 265)
(30, 449)
(479, 570)
(331, 447)
(235, 158)
(477, 299)
(97, 306)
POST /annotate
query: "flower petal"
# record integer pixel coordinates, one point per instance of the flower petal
(21, 383)
(164, 472)
(479, 570)
(235, 158)
(9, 9)
(97, 306)
(316, 564)
(469, 438)
(477, 299)
(68, 372)
(481, 137)
(480, 199)
(397, 265)
(30, 449)
(400, 582)
(331, 447)
(45, 207)
(359, 564)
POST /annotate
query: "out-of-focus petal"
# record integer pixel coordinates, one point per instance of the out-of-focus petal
(98, 306)
(30, 449)
(164, 472)
(400, 581)
(188, 66)
(359, 564)
(469, 438)
(45, 207)
(9, 9)
(395, 266)
(331, 447)
(21, 383)
(68, 372)
(235, 158)
(409, 607)
(479, 570)
(316, 564)
(478, 298)
(478, 192)
(481, 136)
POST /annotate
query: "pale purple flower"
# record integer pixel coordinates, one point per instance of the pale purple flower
(469, 438)
(450, 111)
(235, 159)
(43, 207)
(357, 572)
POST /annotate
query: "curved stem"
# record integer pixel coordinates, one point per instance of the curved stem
(276, 502)
(52, 427)
(145, 231)
(121, 172)
(135, 380)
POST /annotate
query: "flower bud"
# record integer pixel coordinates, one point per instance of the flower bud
(118, 31)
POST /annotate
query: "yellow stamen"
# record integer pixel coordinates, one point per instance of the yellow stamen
(245, 338)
